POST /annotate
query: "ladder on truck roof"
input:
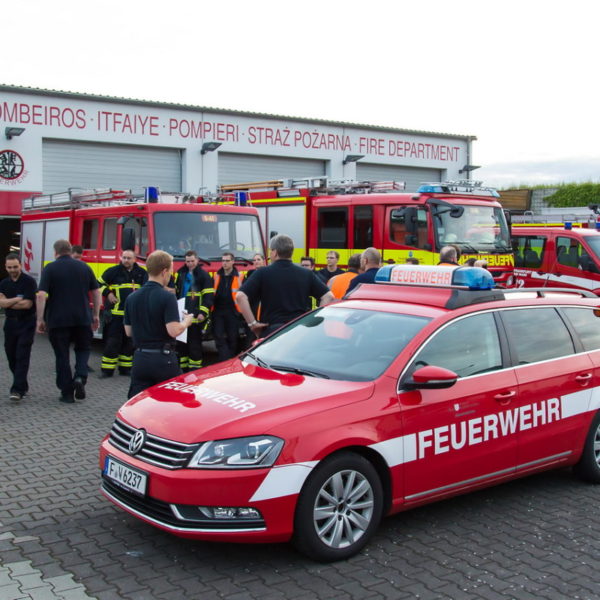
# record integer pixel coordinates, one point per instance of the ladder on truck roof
(316, 185)
(558, 217)
(79, 198)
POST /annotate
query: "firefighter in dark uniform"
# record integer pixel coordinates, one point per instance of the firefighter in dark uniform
(152, 320)
(119, 281)
(225, 315)
(17, 298)
(194, 284)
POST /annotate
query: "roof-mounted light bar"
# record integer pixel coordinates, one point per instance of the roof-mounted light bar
(472, 278)
(458, 187)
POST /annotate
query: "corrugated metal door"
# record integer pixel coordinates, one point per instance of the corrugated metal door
(241, 168)
(89, 165)
(413, 177)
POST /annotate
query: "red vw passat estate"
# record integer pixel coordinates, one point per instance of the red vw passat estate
(426, 384)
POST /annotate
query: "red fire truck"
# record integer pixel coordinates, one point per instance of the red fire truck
(104, 222)
(321, 215)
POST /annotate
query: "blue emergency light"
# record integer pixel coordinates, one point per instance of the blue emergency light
(433, 189)
(473, 278)
(457, 188)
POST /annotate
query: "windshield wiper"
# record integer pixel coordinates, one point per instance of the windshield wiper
(468, 247)
(299, 371)
(259, 361)
(242, 259)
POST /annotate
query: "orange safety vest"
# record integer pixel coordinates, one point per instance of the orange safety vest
(236, 283)
(339, 284)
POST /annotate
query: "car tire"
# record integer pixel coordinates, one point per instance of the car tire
(588, 467)
(339, 508)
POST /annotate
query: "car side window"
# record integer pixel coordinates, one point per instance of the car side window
(529, 251)
(537, 334)
(569, 252)
(468, 346)
(586, 323)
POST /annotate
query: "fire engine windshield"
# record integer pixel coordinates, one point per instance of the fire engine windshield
(477, 229)
(208, 233)
(338, 343)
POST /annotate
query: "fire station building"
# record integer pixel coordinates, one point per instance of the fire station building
(53, 141)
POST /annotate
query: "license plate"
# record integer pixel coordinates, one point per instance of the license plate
(125, 476)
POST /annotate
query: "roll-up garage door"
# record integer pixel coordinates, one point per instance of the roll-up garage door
(88, 165)
(241, 168)
(413, 177)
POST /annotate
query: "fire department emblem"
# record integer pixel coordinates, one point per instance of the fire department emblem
(137, 441)
(11, 164)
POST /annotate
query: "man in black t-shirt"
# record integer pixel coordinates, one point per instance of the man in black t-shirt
(282, 288)
(64, 290)
(152, 320)
(17, 297)
(332, 269)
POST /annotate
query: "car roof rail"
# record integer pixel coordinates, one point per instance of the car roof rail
(542, 291)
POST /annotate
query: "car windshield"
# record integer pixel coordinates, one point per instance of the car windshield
(336, 342)
(478, 229)
(209, 234)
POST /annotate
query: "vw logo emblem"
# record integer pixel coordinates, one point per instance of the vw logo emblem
(137, 441)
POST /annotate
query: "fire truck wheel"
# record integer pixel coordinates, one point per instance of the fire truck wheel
(588, 467)
(339, 508)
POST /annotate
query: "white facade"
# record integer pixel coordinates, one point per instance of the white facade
(74, 140)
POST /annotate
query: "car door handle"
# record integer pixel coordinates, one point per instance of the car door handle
(505, 397)
(583, 378)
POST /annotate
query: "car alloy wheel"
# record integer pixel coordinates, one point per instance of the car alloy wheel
(339, 508)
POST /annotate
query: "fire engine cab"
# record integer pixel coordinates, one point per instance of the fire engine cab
(106, 222)
(426, 384)
(560, 254)
(348, 216)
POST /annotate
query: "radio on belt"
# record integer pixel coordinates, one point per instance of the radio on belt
(472, 278)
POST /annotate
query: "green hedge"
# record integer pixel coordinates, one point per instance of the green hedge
(575, 194)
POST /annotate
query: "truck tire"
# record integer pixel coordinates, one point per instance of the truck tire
(339, 508)
(588, 467)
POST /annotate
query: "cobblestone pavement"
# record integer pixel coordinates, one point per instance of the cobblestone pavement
(530, 539)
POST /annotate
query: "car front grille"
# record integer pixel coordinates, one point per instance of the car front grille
(156, 450)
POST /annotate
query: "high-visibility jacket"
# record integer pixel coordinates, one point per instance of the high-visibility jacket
(236, 283)
(339, 284)
(121, 283)
(200, 296)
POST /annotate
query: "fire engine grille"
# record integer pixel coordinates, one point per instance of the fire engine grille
(156, 450)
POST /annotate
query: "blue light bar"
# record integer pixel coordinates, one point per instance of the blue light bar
(459, 188)
(473, 278)
(432, 189)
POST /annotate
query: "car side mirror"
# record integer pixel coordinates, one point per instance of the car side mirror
(430, 377)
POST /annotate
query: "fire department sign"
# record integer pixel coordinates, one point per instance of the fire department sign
(11, 165)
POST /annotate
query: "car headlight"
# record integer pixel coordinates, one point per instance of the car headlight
(238, 453)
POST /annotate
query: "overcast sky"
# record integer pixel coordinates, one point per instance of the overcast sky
(521, 76)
